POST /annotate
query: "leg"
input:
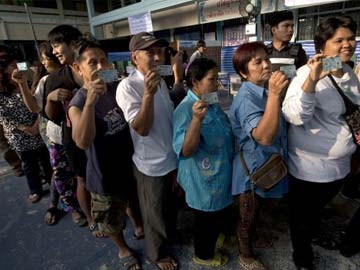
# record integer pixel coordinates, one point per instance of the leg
(45, 163)
(153, 195)
(133, 212)
(350, 244)
(84, 201)
(32, 170)
(305, 213)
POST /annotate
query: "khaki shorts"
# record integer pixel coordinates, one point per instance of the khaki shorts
(108, 212)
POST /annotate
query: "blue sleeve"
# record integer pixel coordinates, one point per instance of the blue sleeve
(181, 121)
(249, 112)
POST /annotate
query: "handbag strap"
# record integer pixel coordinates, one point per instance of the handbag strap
(349, 105)
(243, 163)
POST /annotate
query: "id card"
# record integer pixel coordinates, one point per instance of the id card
(108, 75)
(22, 66)
(165, 70)
(332, 63)
(210, 98)
(289, 71)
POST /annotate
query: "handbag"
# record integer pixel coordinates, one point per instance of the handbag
(269, 174)
(352, 114)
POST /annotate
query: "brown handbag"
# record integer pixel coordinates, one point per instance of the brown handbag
(269, 174)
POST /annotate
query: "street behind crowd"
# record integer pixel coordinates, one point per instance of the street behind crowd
(26, 243)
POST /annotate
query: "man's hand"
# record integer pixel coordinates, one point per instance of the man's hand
(152, 81)
(59, 95)
(95, 88)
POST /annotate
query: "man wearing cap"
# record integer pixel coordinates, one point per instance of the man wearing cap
(144, 99)
(281, 52)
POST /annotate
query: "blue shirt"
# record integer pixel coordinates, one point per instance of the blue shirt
(206, 175)
(245, 113)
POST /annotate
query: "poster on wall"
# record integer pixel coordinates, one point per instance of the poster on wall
(297, 3)
(140, 23)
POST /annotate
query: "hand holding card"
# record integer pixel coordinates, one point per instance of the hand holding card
(210, 98)
(108, 75)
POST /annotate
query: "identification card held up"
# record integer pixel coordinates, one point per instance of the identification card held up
(289, 71)
(165, 70)
(22, 66)
(210, 98)
(108, 75)
(331, 63)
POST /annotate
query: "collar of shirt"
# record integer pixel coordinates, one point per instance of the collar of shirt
(192, 95)
(139, 74)
(260, 91)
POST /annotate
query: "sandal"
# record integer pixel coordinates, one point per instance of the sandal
(95, 231)
(79, 220)
(52, 215)
(129, 263)
(217, 261)
(253, 265)
(159, 264)
(33, 198)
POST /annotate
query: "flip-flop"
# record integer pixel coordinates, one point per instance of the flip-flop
(80, 221)
(52, 215)
(155, 265)
(34, 198)
(93, 228)
(129, 262)
(218, 260)
(138, 237)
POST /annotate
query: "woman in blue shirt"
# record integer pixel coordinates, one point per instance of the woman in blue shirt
(203, 142)
(260, 132)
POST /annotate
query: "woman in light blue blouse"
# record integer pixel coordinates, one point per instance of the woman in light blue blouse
(203, 142)
(260, 131)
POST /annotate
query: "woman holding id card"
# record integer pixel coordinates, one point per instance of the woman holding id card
(203, 142)
(320, 141)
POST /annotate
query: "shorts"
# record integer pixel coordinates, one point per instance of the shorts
(108, 212)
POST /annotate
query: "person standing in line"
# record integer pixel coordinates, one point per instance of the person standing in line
(320, 141)
(100, 129)
(203, 141)
(144, 99)
(281, 51)
(200, 49)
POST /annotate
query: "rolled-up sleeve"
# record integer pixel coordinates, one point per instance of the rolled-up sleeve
(128, 100)
(298, 107)
(181, 122)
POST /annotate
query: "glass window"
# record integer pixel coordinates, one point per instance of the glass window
(31, 3)
(102, 6)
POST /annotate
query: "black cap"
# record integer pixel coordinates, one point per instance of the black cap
(278, 17)
(144, 40)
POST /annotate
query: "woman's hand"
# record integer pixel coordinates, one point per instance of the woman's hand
(199, 110)
(59, 95)
(277, 83)
(30, 130)
(316, 68)
(18, 77)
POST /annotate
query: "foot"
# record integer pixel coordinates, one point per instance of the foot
(129, 262)
(166, 263)
(217, 261)
(251, 264)
(78, 219)
(52, 215)
(34, 198)
(95, 231)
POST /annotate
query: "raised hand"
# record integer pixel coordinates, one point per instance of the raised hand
(18, 77)
(277, 83)
(95, 88)
(199, 109)
(152, 81)
(60, 94)
(316, 68)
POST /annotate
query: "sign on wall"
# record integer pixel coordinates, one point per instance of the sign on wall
(140, 23)
(295, 3)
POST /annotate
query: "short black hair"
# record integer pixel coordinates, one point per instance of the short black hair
(198, 69)
(200, 43)
(328, 27)
(64, 34)
(84, 44)
(45, 48)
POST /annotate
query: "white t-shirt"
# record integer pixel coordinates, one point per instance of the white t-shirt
(320, 141)
(153, 154)
(53, 131)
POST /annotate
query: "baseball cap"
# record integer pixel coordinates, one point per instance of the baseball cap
(279, 17)
(144, 40)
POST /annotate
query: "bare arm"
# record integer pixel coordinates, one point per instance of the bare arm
(29, 99)
(268, 126)
(83, 121)
(192, 137)
(144, 119)
(54, 107)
